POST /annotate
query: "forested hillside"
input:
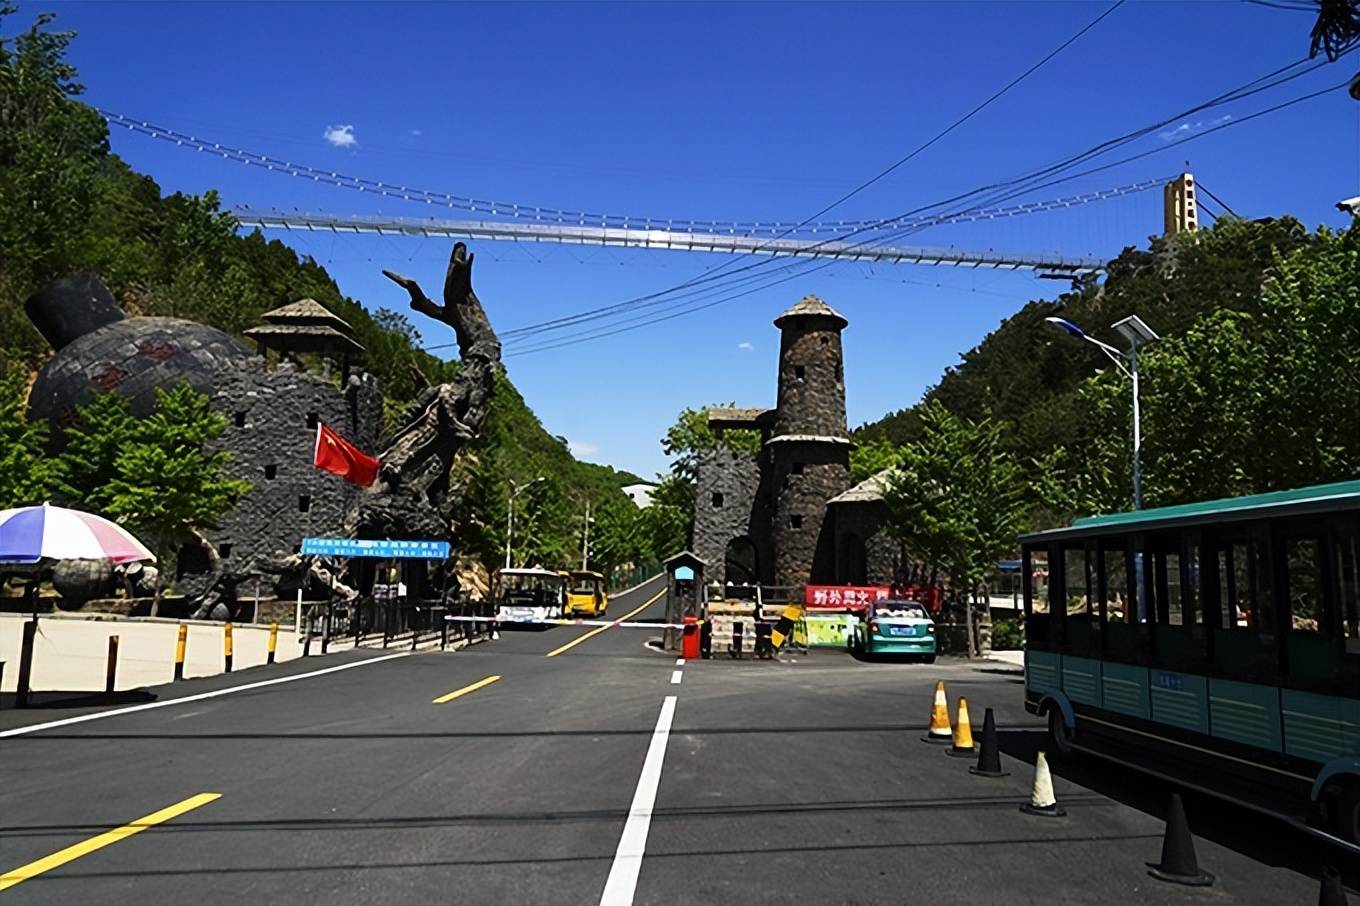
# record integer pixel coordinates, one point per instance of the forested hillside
(67, 204)
(1251, 388)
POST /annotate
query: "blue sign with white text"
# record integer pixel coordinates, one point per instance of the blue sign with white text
(385, 549)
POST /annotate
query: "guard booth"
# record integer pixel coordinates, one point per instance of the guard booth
(686, 596)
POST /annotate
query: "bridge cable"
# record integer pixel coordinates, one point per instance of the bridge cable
(584, 338)
(1025, 183)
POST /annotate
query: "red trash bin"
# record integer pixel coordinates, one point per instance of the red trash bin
(689, 640)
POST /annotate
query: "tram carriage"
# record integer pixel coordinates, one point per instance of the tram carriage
(1215, 644)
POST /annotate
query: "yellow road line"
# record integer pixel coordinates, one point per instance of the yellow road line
(599, 629)
(84, 848)
(459, 693)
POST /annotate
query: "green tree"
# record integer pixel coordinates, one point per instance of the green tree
(88, 463)
(957, 501)
(170, 483)
(1243, 401)
(667, 523)
(26, 474)
(690, 438)
(870, 457)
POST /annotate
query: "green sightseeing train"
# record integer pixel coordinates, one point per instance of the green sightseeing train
(1215, 644)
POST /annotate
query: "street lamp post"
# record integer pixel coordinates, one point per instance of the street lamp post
(585, 543)
(1137, 334)
(510, 516)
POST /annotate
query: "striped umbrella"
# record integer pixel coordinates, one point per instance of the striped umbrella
(47, 532)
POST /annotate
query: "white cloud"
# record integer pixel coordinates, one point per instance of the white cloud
(582, 448)
(745, 346)
(341, 136)
(1189, 128)
(417, 133)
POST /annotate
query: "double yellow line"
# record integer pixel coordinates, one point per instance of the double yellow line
(599, 629)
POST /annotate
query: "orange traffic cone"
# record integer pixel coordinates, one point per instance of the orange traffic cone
(1042, 802)
(963, 733)
(940, 731)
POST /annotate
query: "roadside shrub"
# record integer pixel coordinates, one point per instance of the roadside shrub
(1008, 634)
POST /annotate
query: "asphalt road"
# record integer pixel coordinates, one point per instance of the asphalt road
(798, 781)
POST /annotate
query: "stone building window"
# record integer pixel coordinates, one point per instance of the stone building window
(717, 499)
(271, 472)
(240, 419)
(796, 521)
(824, 339)
(313, 419)
(796, 468)
(799, 372)
(224, 550)
(304, 504)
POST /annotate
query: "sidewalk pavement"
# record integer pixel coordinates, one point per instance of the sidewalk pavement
(70, 653)
(1015, 658)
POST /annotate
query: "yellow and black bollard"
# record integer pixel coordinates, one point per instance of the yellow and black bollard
(180, 645)
(226, 645)
(273, 642)
(111, 670)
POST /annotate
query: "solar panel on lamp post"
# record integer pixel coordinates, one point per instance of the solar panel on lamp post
(1138, 334)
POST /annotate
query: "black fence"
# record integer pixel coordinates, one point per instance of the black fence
(369, 622)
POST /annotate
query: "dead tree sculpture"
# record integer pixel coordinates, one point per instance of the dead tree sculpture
(412, 497)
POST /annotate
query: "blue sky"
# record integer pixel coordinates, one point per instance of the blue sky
(733, 111)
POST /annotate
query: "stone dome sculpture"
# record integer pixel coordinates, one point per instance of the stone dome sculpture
(98, 349)
(79, 581)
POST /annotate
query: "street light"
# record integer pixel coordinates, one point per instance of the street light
(585, 541)
(510, 515)
(1137, 334)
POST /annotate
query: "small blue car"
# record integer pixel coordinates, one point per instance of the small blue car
(894, 627)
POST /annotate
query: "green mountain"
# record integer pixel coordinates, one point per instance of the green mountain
(1027, 374)
(68, 203)
(1251, 387)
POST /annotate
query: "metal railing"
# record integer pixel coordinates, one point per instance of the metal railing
(368, 621)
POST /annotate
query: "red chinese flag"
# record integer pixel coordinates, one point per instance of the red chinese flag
(335, 454)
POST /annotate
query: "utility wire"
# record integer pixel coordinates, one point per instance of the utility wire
(718, 270)
(1255, 86)
(587, 336)
(963, 119)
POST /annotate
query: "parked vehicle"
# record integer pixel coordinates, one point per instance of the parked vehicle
(891, 626)
(586, 596)
(529, 595)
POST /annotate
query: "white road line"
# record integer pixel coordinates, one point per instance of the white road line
(623, 874)
(675, 678)
(66, 721)
(679, 662)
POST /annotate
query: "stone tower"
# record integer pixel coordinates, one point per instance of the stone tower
(809, 448)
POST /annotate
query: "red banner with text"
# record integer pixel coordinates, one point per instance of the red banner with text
(859, 597)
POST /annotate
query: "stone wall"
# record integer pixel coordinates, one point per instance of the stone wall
(272, 414)
(863, 523)
(726, 506)
(804, 475)
(811, 379)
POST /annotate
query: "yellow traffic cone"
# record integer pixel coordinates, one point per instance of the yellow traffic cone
(963, 733)
(1042, 802)
(940, 731)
